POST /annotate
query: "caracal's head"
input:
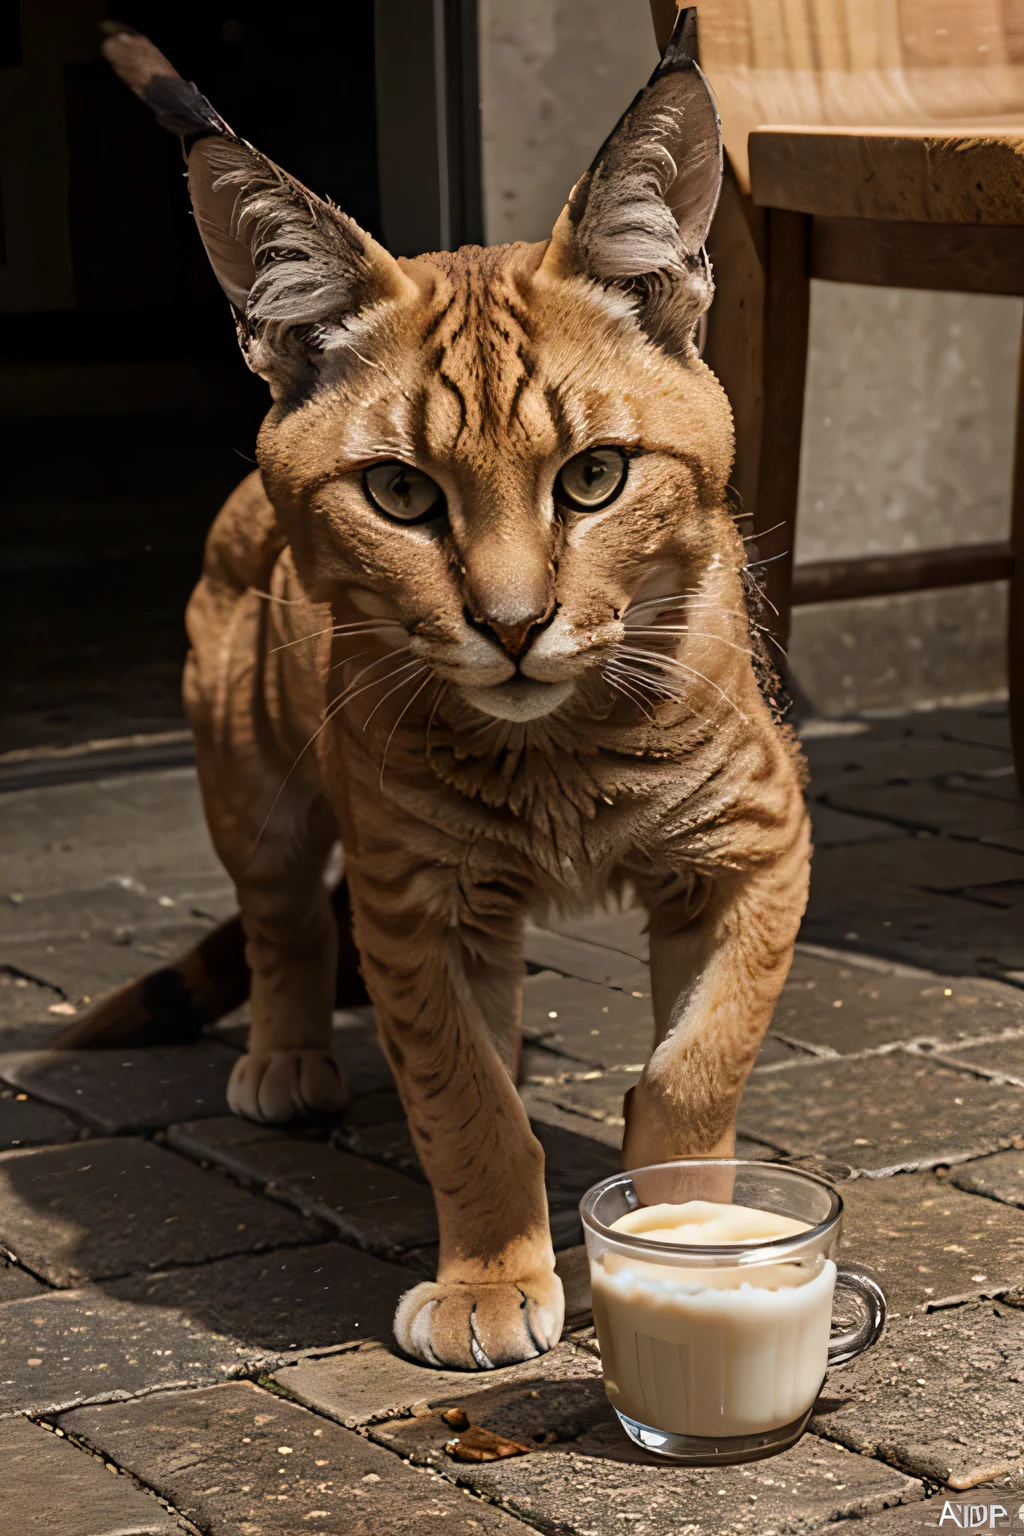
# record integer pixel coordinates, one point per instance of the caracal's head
(499, 449)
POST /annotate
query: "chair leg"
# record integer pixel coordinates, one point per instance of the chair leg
(1015, 639)
(786, 320)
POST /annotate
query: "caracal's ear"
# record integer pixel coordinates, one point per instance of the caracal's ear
(296, 269)
(638, 218)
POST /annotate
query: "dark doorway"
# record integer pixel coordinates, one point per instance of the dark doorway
(129, 412)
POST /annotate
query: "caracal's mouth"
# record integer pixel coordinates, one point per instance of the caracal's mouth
(521, 698)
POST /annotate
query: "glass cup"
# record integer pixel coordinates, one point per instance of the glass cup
(716, 1354)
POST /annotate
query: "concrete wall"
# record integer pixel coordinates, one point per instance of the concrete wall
(908, 444)
(555, 76)
(908, 428)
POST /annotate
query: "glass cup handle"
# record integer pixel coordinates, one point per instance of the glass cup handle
(872, 1301)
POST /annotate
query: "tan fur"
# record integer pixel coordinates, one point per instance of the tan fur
(472, 824)
(489, 369)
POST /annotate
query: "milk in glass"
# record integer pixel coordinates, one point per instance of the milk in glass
(735, 1350)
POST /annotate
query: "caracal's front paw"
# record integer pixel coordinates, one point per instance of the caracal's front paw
(475, 1327)
(275, 1087)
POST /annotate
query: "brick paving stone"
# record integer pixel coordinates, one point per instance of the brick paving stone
(561, 1395)
(146, 826)
(1000, 1177)
(15, 1282)
(24, 1122)
(941, 932)
(127, 1090)
(987, 726)
(543, 1112)
(1000, 1058)
(372, 1384)
(622, 931)
(94, 912)
(573, 1162)
(933, 808)
(596, 1098)
(217, 1456)
(940, 1397)
(832, 828)
(323, 1297)
(367, 1203)
(382, 1107)
(87, 968)
(838, 762)
(52, 1488)
(1013, 838)
(357, 1046)
(103, 1208)
(1006, 897)
(882, 1114)
(573, 1269)
(588, 961)
(892, 872)
(993, 783)
(599, 1025)
(25, 1002)
(599, 1097)
(929, 1244)
(68, 1347)
(593, 1480)
(384, 1142)
(834, 1005)
(776, 1052)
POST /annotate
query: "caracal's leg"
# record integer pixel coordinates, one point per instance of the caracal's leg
(431, 973)
(715, 980)
(273, 831)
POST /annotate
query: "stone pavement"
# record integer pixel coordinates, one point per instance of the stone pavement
(195, 1311)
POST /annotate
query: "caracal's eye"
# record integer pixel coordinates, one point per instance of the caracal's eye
(592, 479)
(403, 493)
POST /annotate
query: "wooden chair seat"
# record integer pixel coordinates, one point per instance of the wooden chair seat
(959, 175)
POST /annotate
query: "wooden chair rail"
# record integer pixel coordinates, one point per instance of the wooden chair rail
(955, 258)
(830, 581)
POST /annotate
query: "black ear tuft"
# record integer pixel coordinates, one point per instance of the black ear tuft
(177, 104)
(295, 268)
(638, 218)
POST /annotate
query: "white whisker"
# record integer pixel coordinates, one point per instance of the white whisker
(624, 688)
(752, 565)
(654, 602)
(405, 709)
(698, 634)
(673, 663)
(423, 668)
(656, 687)
(367, 625)
(287, 644)
(351, 661)
(376, 682)
(646, 672)
(345, 697)
(764, 532)
(286, 602)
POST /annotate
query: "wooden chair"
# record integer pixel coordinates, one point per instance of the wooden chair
(868, 141)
